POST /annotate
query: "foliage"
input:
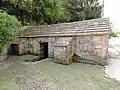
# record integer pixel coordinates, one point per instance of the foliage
(8, 29)
(40, 11)
(84, 9)
(115, 33)
(52, 11)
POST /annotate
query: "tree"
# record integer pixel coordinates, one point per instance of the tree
(52, 11)
(84, 9)
(49, 11)
(40, 11)
(21, 8)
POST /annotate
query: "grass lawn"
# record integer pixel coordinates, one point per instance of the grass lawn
(78, 76)
(75, 76)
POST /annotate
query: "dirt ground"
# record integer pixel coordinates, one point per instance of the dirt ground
(15, 74)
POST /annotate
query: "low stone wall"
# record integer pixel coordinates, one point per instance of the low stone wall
(92, 48)
(4, 54)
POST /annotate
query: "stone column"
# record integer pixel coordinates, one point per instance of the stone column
(61, 55)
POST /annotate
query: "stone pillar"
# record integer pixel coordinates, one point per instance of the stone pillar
(62, 56)
(64, 50)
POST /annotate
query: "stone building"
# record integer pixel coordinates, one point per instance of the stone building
(82, 41)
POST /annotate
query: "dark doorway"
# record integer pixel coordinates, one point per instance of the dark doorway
(15, 49)
(43, 50)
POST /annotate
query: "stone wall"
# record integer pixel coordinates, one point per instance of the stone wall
(64, 50)
(92, 47)
(89, 48)
(23, 46)
(58, 47)
(4, 54)
(34, 45)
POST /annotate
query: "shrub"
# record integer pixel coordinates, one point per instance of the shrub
(8, 29)
(115, 33)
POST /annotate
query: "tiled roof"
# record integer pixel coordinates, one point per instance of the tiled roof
(93, 26)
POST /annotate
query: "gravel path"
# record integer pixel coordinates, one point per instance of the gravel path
(113, 69)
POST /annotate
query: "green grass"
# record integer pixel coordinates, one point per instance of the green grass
(75, 76)
(78, 76)
(6, 83)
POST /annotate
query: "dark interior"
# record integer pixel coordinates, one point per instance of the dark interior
(43, 50)
(15, 49)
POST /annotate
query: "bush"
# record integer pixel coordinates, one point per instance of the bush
(8, 29)
(115, 33)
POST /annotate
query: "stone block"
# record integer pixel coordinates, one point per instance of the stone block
(63, 54)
